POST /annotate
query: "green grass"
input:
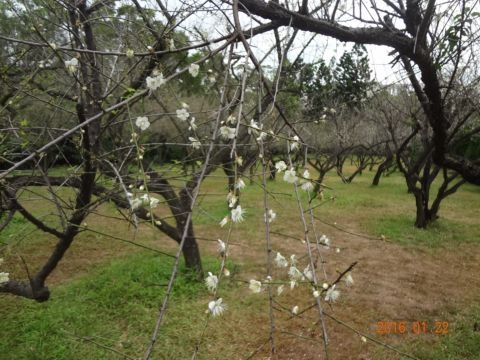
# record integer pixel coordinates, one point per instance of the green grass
(461, 343)
(116, 306)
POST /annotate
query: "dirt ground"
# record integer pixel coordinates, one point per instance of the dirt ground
(391, 284)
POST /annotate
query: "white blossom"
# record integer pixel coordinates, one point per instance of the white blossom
(192, 126)
(262, 136)
(231, 120)
(325, 286)
(226, 272)
(290, 176)
(270, 215)
(142, 122)
(193, 69)
(307, 186)
(182, 114)
(222, 247)
(293, 259)
(293, 283)
(308, 273)
(211, 281)
(216, 307)
(232, 199)
(364, 339)
(325, 240)
(239, 160)
(129, 53)
(332, 294)
(295, 310)
(295, 274)
(349, 279)
(227, 132)
(196, 144)
(316, 293)
(150, 201)
(280, 166)
(71, 65)
(237, 214)
(280, 290)
(255, 286)
(224, 221)
(280, 261)
(4, 277)
(154, 82)
(240, 184)
(294, 144)
(136, 204)
(253, 127)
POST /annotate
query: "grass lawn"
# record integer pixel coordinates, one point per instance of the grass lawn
(106, 292)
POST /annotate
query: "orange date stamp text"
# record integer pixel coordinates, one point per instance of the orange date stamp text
(417, 327)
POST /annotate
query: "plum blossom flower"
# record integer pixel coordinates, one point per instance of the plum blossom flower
(231, 119)
(280, 261)
(222, 247)
(325, 240)
(193, 69)
(237, 214)
(192, 126)
(154, 82)
(332, 294)
(280, 290)
(71, 65)
(182, 114)
(4, 277)
(240, 184)
(136, 204)
(227, 132)
(290, 176)
(211, 281)
(295, 310)
(226, 272)
(280, 166)
(150, 201)
(232, 199)
(142, 122)
(308, 273)
(293, 259)
(306, 183)
(270, 215)
(316, 293)
(224, 221)
(129, 53)
(307, 186)
(254, 127)
(255, 286)
(295, 274)
(294, 144)
(216, 307)
(196, 144)
(349, 279)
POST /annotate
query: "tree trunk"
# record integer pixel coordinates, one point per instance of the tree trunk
(381, 169)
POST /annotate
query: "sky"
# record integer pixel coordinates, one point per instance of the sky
(321, 47)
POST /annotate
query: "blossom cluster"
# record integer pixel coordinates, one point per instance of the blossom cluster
(216, 306)
(296, 277)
